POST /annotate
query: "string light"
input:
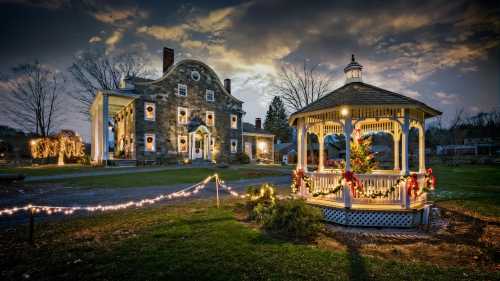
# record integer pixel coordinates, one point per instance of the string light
(186, 192)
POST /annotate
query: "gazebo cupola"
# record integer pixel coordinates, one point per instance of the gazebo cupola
(353, 71)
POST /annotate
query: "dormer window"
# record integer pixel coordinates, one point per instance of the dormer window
(209, 95)
(182, 115)
(234, 121)
(149, 111)
(182, 90)
(210, 118)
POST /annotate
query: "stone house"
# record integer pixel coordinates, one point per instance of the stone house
(187, 114)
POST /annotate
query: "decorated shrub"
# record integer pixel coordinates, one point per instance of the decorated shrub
(260, 201)
(243, 158)
(294, 219)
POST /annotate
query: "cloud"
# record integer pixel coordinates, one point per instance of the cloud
(47, 4)
(119, 17)
(112, 40)
(446, 98)
(173, 33)
(95, 39)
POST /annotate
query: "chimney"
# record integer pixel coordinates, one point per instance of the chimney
(227, 85)
(258, 124)
(168, 58)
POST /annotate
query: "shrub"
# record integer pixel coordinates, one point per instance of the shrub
(243, 158)
(294, 219)
(260, 201)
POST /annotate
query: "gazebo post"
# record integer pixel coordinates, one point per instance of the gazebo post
(347, 135)
(304, 148)
(396, 138)
(405, 169)
(300, 126)
(321, 140)
(421, 148)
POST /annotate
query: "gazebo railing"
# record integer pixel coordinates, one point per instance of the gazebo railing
(377, 182)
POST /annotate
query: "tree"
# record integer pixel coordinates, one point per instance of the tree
(93, 69)
(362, 158)
(301, 86)
(276, 120)
(34, 101)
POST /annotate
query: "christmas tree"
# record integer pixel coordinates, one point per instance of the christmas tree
(362, 158)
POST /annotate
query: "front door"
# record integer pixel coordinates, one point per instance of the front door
(248, 149)
(198, 148)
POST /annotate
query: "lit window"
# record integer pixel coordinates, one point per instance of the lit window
(150, 142)
(182, 115)
(210, 118)
(149, 111)
(234, 121)
(209, 95)
(262, 145)
(234, 145)
(182, 90)
(183, 144)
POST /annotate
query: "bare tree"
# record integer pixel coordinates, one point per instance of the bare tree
(93, 69)
(34, 99)
(299, 86)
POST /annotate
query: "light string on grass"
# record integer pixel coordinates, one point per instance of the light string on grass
(186, 192)
(228, 188)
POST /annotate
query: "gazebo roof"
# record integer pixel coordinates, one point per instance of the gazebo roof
(362, 94)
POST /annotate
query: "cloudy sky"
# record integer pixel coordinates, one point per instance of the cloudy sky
(445, 53)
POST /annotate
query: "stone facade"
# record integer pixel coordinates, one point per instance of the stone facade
(164, 94)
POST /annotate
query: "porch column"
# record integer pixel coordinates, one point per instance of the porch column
(397, 157)
(105, 121)
(347, 135)
(321, 140)
(405, 169)
(421, 148)
(209, 147)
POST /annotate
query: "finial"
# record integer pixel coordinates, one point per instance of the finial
(352, 58)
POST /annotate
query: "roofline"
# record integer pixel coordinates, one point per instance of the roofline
(257, 134)
(173, 67)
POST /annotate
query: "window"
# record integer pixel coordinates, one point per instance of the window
(182, 115)
(150, 142)
(262, 145)
(234, 145)
(195, 75)
(212, 144)
(210, 118)
(149, 111)
(234, 121)
(182, 90)
(183, 144)
(209, 95)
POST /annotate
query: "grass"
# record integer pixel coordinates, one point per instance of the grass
(167, 177)
(473, 189)
(48, 170)
(193, 242)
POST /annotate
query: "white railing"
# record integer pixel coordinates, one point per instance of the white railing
(376, 182)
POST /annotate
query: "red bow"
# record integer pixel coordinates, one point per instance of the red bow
(299, 174)
(353, 181)
(412, 184)
(432, 178)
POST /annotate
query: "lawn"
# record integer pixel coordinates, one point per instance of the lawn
(167, 177)
(48, 170)
(473, 189)
(193, 242)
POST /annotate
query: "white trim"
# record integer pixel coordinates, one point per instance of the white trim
(179, 145)
(207, 113)
(207, 91)
(235, 141)
(146, 136)
(146, 105)
(182, 86)
(179, 109)
(234, 124)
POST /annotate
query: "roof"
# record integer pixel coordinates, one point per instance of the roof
(362, 94)
(251, 129)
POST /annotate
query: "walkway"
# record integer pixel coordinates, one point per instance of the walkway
(84, 196)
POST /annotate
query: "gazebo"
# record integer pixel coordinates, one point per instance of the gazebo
(389, 198)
